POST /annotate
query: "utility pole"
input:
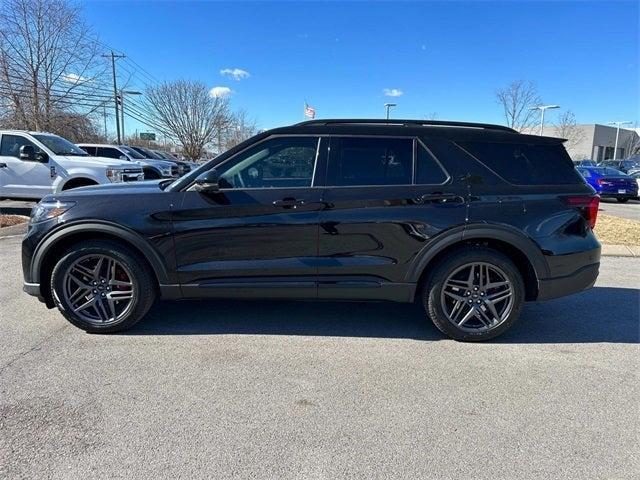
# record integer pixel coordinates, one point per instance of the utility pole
(115, 89)
(104, 116)
(617, 124)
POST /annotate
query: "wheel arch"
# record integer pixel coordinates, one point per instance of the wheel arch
(524, 253)
(52, 246)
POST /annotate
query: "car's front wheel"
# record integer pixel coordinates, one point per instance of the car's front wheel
(102, 286)
(474, 294)
(622, 199)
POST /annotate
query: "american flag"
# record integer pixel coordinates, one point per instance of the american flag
(309, 111)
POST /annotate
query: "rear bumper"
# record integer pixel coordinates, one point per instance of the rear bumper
(570, 274)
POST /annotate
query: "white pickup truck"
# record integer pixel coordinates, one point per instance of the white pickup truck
(34, 164)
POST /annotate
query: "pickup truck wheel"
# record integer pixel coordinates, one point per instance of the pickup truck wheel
(78, 182)
(474, 295)
(102, 287)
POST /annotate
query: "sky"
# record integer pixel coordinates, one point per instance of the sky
(440, 60)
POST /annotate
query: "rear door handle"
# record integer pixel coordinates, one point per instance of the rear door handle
(288, 202)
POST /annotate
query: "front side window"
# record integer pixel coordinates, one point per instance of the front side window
(279, 162)
(10, 145)
(370, 161)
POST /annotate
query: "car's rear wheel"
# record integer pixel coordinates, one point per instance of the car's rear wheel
(622, 200)
(102, 286)
(474, 295)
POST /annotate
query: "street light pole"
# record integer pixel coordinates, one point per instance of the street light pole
(388, 106)
(617, 124)
(542, 109)
(122, 94)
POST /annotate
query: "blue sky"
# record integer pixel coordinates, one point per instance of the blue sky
(445, 57)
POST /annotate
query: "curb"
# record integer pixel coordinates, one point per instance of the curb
(620, 251)
(19, 229)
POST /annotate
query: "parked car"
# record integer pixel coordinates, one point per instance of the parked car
(611, 183)
(585, 163)
(153, 169)
(636, 176)
(148, 153)
(188, 165)
(36, 164)
(468, 220)
(623, 165)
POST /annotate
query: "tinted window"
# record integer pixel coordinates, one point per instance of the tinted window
(585, 173)
(524, 164)
(109, 152)
(10, 145)
(283, 162)
(132, 153)
(90, 150)
(370, 161)
(427, 169)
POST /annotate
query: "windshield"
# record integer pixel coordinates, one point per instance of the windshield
(132, 153)
(60, 146)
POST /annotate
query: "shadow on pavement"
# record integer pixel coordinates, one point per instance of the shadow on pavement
(602, 314)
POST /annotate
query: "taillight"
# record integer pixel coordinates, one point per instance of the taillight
(587, 205)
(600, 181)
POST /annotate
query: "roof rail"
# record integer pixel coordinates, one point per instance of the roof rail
(393, 121)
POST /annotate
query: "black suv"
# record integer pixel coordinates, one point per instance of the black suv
(470, 220)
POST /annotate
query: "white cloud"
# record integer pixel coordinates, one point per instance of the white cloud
(74, 78)
(392, 92)
(235, 73)
(220, 92)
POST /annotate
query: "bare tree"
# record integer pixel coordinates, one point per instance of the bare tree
(185, 110)
(566, 127)
(516, 100)
(240, 128)
(50, 68)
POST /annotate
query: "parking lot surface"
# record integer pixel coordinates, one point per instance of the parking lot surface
(321, 390)
(630, 210)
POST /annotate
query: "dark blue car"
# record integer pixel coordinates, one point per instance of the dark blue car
(609, 182)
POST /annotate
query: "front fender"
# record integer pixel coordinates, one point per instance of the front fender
(62, 178)
(108, 228)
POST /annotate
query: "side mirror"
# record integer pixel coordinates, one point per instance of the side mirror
(207, 182)
(27, 152)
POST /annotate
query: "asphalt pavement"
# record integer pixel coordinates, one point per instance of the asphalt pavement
(629, 210)
(294, 390)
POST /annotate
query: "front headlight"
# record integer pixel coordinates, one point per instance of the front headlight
(114, 174)
(48, 210)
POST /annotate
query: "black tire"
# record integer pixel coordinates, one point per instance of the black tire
(433, 291)
(141, 277)
(150, 174)
(77, 183)
(622, 200)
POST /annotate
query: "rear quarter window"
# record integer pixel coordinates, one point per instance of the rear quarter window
(525, 164)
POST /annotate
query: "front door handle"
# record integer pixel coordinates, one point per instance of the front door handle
(288, 202)
(439, 197)
(3, 165)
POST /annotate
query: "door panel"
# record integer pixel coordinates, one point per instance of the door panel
(20, 178)
(370, 235)
(248, 241)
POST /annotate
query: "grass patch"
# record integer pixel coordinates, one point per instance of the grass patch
(617, 231)
(10, 220)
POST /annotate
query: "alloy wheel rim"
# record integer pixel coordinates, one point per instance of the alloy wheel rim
(477, 297)
(99, 289)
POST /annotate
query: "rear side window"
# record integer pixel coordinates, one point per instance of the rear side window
(525, 164)
(90, 150)
(370, 161)
(109, 152)
(428, 171)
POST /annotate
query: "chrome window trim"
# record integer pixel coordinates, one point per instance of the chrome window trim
(444, 170)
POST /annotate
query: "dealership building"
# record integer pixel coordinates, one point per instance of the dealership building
(597, 142)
